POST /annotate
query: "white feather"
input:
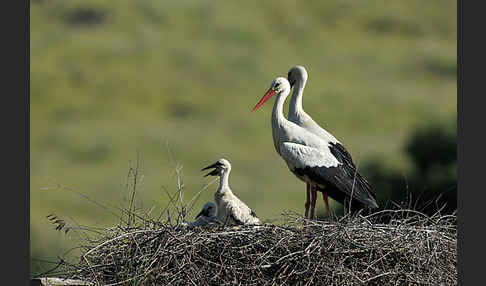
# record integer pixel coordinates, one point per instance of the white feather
(305, 121)
(229, 206)
(301, 156)
(298, 75)
(298, 147)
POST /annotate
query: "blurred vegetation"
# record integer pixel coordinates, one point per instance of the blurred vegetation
(175, 81)
(431, 185)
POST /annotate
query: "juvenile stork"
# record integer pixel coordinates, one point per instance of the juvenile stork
(206, 217)
(230, 209)
(313, 159)
(297, 77)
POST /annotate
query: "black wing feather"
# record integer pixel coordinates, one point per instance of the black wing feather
(340, 185)
(340, 153)
(344, 157)
(342, 181)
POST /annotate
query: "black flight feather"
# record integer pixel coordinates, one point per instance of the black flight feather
(342, 181)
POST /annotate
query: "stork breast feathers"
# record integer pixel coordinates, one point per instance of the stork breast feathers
(301, 156)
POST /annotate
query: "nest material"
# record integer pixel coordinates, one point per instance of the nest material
(409, 250)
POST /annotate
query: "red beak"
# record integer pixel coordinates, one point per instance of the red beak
(267, 95)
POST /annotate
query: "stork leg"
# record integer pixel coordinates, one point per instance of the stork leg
(313, 202)
(307, 200)
(326, 202)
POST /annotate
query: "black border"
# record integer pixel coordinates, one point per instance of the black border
(15, 210)
(471, 130)
(27, 135)
(460, 149)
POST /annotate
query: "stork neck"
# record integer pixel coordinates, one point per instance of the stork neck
(277, 112)
(223, 180)
(296, 99)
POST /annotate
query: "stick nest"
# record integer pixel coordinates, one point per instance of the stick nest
(409, 249)
(390, 247)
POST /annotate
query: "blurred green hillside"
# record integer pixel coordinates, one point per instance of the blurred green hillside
(176, 80)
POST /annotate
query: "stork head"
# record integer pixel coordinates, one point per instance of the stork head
(297, 73)
(208, 210)
(278, 86)
(221, 166)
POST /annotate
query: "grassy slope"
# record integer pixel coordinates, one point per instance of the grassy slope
(186, 74)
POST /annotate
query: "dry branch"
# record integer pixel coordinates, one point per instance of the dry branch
(354, 250)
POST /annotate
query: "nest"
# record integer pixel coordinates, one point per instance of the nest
(410, 249)
(389, 247)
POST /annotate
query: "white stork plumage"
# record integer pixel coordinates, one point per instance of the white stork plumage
(297, 77)
(230, 209)
(315, 160)
(206, 217)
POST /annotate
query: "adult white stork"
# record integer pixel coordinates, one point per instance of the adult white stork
(297, 77)
(314, 160)
(230, 209)
(206, 217)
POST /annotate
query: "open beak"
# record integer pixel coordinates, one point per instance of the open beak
(267, 95)
(213, 172)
